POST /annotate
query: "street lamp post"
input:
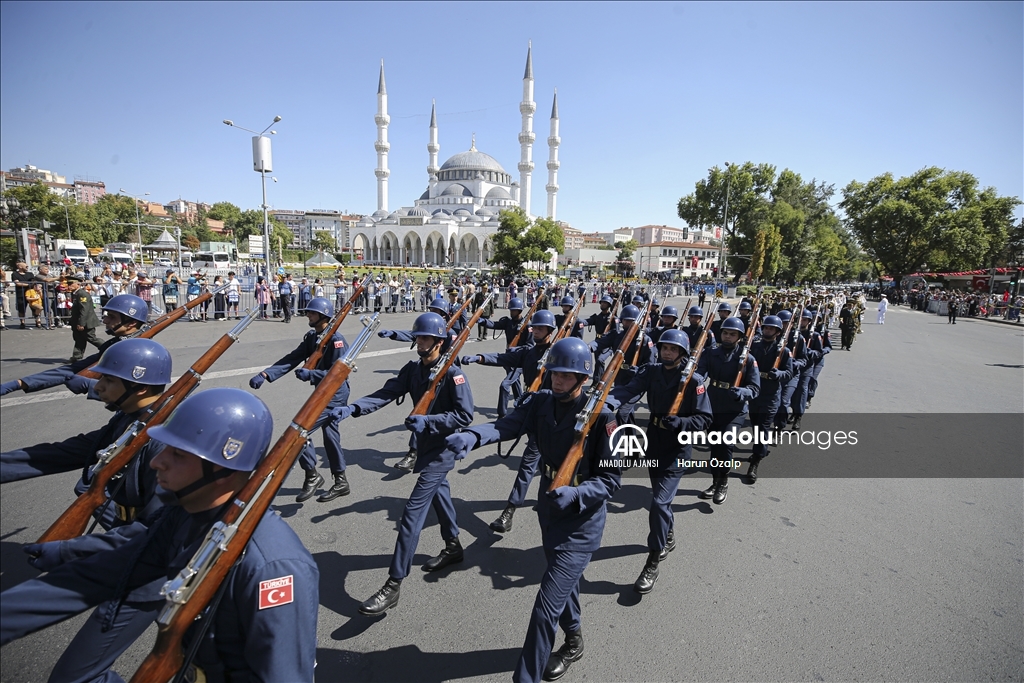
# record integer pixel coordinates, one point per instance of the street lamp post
(725, 222)
(262, 164)
(138, 220)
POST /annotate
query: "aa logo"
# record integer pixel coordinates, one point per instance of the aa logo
(628, 441)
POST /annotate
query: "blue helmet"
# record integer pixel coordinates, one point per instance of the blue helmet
(807, 314)
(567, 301)
(629, 313)
(695, 311)
(570, 355)
(772, 321)
(655, 303)
(224, 426)
(319, 305)
(607, 300)
(128, 306)
(734, 324)
(439, 304)
(676, 338)
(430, 325)
(724, 306)
(785, 315)
(515, 304)
(138, 360)
(543, 318)
(745, 306)
(670, 311)
(637, 300)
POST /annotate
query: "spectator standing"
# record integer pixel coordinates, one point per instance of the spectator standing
(234, 293)
(171, 282)
(22, 280)
(144, 289)
(285, 289)
(192, 292)
(262, 296)
(219, 300)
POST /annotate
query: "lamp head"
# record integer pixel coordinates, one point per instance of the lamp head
(228, 122)
(276, 119)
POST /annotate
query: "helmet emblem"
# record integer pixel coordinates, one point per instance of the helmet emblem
(138, 371)
(586, 365)
(131, 311)
(232, 447)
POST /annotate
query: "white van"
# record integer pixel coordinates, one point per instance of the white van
(113, 257)
(212, 259)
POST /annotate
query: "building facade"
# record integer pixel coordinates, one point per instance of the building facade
(689, 259)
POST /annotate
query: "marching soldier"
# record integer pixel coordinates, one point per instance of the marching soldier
(123, 316)
(83, 318)
(319, 312)
(661, 382)
(694, 329)
(666, 320)
(847, 326)
(797, 350)
(212, 443)
(526, 359)
(452, 409)
(511, 387)
(600, 320)
(746, 311)
(724, 311)
(765, 351)
(568, 303)
(640, 353)
(819, 345)
(721, 365)
(572, 518)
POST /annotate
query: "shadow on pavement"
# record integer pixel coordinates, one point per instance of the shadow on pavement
(410, 663)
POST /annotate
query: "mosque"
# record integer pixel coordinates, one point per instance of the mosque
(453, 220)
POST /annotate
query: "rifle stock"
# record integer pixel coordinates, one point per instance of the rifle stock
(745, 353)
(189, 593)
(339, 317)
(529, 317)
(458, 314)
(785, 337)
(691, 367)
(564, 330)
(440, 369)
(119, 454)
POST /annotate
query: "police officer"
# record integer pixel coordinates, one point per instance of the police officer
(765, 350)
(83, 318)
(526, 359)
(123, 316)
(721, 365)
(600, 320)
(568, 303)
(572, 517)
(661, 382)
(694, 329)
(211, 445)
(511, 387)
(666, 320)
(319, 312)
(724, 311)
(452, 409)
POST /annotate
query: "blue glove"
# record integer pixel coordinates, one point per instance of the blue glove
(8, 387)
(467, 360)
(738, 393)
(416, 423)
(564, 496)
(257, 381)
(386, 334)
(303, 374)
(593, 347)
(672, 422)
(612, 402)
(772, 374)
(343, 412)
(44, 556)
(813, 356)
(79, 384)
(460, 443)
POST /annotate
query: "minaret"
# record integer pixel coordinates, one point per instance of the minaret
(527, 107)
(382, 146)
(432, 148)
(553, 142)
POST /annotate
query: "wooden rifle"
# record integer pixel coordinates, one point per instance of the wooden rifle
(690, 367)
(458, 313)
(325, 337)
(563, 331)
(785, 335)
(166, 320)
(587, 417)
(115, 457)
(639, 323)
(196, 585)
(745, 351)
(440, 369)
(529, 317)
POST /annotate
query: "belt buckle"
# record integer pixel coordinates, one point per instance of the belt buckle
(123, 513)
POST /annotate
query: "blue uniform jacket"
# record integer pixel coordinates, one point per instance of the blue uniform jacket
(524, 357)
(577, 330)
(721, 365)
(599, 321)
(335, 349)
(816, 346)
(245, 642)
(579, 528)
(463, 320)
(765, 353)
(606, 345)
(511, 329)
(661, 385)
(61, 374)
(452, 410)
(694, 332)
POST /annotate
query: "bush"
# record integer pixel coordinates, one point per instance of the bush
(751, 290)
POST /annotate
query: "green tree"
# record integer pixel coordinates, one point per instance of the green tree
(509, 254)
(932, 217)
(323, 241)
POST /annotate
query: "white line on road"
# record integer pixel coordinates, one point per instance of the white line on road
(217, 374)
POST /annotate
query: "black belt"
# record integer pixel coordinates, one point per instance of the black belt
(550, 473)
(721, 385)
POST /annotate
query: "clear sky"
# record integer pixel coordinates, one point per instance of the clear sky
(650, 95)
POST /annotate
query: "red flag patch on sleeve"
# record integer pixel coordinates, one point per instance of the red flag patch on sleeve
(700, 389)
(276, 592)
(338, 344)
(460, 379)
(610, 427)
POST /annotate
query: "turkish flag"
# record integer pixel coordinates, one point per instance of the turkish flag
(276, 592)
(693, 262)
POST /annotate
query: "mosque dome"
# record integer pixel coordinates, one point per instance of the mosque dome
(498, 193)
(473, 160)
(418, 211)
(456, 190)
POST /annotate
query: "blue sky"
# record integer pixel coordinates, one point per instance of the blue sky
(650, 95)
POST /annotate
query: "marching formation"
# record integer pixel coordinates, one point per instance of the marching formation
(182, 481)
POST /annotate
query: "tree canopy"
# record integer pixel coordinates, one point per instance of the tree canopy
(519, 240)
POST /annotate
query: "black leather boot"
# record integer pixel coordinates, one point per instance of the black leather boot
(382, 600)
(670, 545)
(649, 576)
(451, 554)
(340, 488)
(313, 481)
(504, 522)
(752, 470)
(561, 658)
(709, 491)
(721, 491)
(408, 461)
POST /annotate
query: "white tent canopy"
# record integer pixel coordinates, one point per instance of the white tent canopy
(165, 242)
(323, 260)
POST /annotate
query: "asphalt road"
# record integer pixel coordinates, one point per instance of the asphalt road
(791, 579)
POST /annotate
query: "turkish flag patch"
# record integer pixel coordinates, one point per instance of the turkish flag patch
(700, 389)
(610, 427)
(276, 592)
(339, 344)
(460, 379)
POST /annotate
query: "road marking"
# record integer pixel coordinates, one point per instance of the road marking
(217, 374)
